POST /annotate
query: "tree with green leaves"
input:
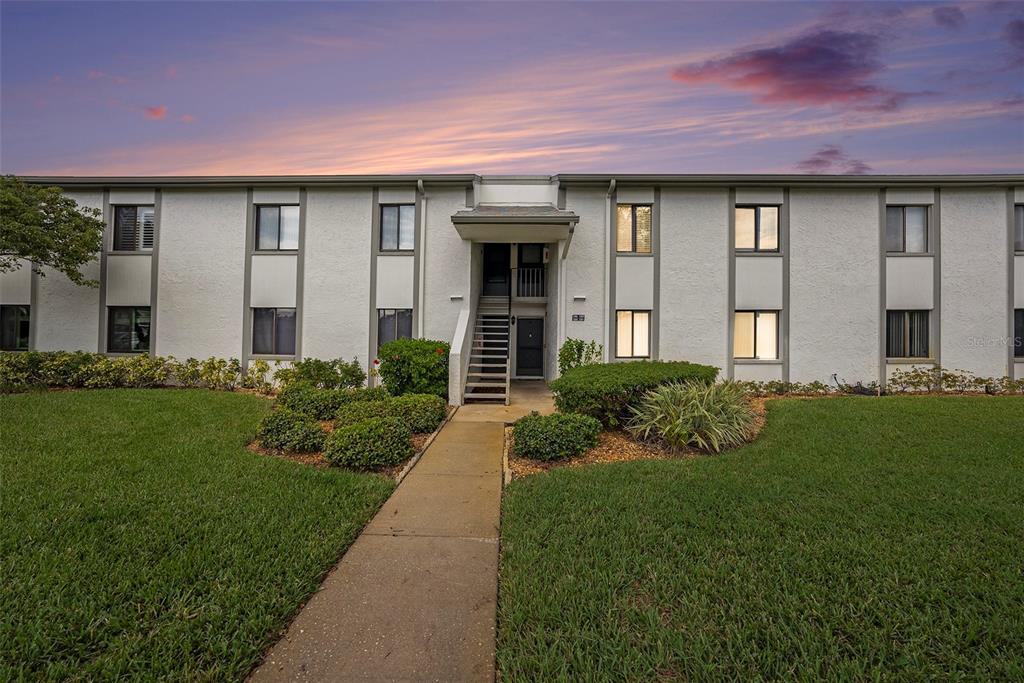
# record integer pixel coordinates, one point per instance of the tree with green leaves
(43, 226)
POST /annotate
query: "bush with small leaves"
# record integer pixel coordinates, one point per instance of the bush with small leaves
(422, 413)
(323, 374)
(286, 430)
(372, 444)
(414, 366)
(553, 437)
(323, 404)
(711, 417)
(255, 376)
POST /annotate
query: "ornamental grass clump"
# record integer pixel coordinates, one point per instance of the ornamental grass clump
(711, 417)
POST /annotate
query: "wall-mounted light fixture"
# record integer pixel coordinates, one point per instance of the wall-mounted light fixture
(579, 297)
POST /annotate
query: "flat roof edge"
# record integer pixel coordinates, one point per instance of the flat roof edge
(244, 181)
(813, 180)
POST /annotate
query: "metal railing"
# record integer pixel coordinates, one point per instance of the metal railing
(530, 282)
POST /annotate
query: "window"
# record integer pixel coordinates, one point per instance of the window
(133, 228)
(633, 229)
(906, 334)
(757, 228)
(14, 327)
(906, 229)
(397, 227)
(273, 331)
(128, 329)
(1018, 227)
(277, 228)
(1018, 333)
(392, 324)
(633, 337)
(756, 335)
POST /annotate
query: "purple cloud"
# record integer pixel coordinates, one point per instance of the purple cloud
(950, 16)
(819, 68)
(1013, 33)
(834, 160)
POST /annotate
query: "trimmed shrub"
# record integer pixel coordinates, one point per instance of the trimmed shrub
(414, 366)
(286, 430)
(323, 374)
(369, 445)
(323, 404)
(576, 352)
(255, 376)
(420, 412)
(710, 417)
(607, 390)
(553, 437)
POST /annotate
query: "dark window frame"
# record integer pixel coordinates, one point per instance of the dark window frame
(139, 238)
(903, 228)
(632, 229)
(757, 229)
(632, 332)
(382, 313)
(906, 341)
(1018, 228)
(1018, 333)
(256, 228)
(22, 314)
(134, 315)
(276, 352)
(757, 313)
(398, 234)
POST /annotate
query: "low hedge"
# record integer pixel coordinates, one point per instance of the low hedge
(414, 366)
(287, 430)
(553, 437)
(420, 412)
(324, 374)
(323, 404)
(606, 391)
(372, 444)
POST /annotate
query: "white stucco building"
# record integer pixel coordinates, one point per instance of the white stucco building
(767, 277)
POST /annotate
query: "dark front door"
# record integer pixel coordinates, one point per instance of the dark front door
(496, 270)
(530, 347)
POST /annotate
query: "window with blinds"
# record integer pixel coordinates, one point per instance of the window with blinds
(757, 228)
(906, 229)
(273, 331)
(128, 329)
(633, 229)
(392, 324)
(632, 334)
(134, 228)
(907, 334)
(756, 335)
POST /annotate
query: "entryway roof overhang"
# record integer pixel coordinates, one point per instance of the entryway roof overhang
(515, 223)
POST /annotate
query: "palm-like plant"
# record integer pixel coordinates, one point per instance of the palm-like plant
(711, 417)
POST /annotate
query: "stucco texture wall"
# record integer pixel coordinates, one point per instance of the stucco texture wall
(445, 263)
(974, 258)
(67, 315)
(834, 285)
(202, 273)
(694, 275)
(585, 267)
(336, 289)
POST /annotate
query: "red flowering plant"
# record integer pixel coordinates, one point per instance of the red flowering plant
(415, 366)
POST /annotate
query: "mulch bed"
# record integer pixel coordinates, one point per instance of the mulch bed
(618, 446)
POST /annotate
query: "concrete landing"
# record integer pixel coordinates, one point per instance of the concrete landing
(415, 597)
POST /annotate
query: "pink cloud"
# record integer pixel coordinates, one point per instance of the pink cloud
(832, 159)
(156, 112)
(819, 68)
(171, 71)
(187, 118)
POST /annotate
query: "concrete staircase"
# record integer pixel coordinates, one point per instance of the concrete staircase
(489, 373)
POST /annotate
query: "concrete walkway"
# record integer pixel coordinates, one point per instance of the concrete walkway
(415, 597)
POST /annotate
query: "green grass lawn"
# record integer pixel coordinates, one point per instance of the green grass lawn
(858, 538)
(141, 540)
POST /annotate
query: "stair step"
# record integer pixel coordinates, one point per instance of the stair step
(487, 385)
(471, 396)
(493, 334)
(487, 365)
(492, 375)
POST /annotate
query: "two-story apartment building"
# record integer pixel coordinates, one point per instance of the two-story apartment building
(768, 277)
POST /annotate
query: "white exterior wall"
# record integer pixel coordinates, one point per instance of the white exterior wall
(336, 290)
(585, 267)
(202, 273)
(694, 275)
(834, 285)
(67, 315)
(974, 287)
(445, 264)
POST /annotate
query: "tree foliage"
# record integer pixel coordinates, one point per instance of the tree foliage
(43, 226)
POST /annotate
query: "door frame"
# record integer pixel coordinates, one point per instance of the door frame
(514, 360)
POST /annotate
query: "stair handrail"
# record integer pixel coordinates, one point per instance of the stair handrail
(459, 355)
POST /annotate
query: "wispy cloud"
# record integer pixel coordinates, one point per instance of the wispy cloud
(156, 112)
(825, 67)
(949, 16)
(1013, 34)
(832, 159)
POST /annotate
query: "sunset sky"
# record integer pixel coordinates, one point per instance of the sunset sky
(180, 88)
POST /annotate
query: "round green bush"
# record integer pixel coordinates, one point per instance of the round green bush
(414, 366)
(358, 411)
(287, 430)
(422, 413)
(372, 444)
(553, 437)
(710, 417)
(323, 404)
